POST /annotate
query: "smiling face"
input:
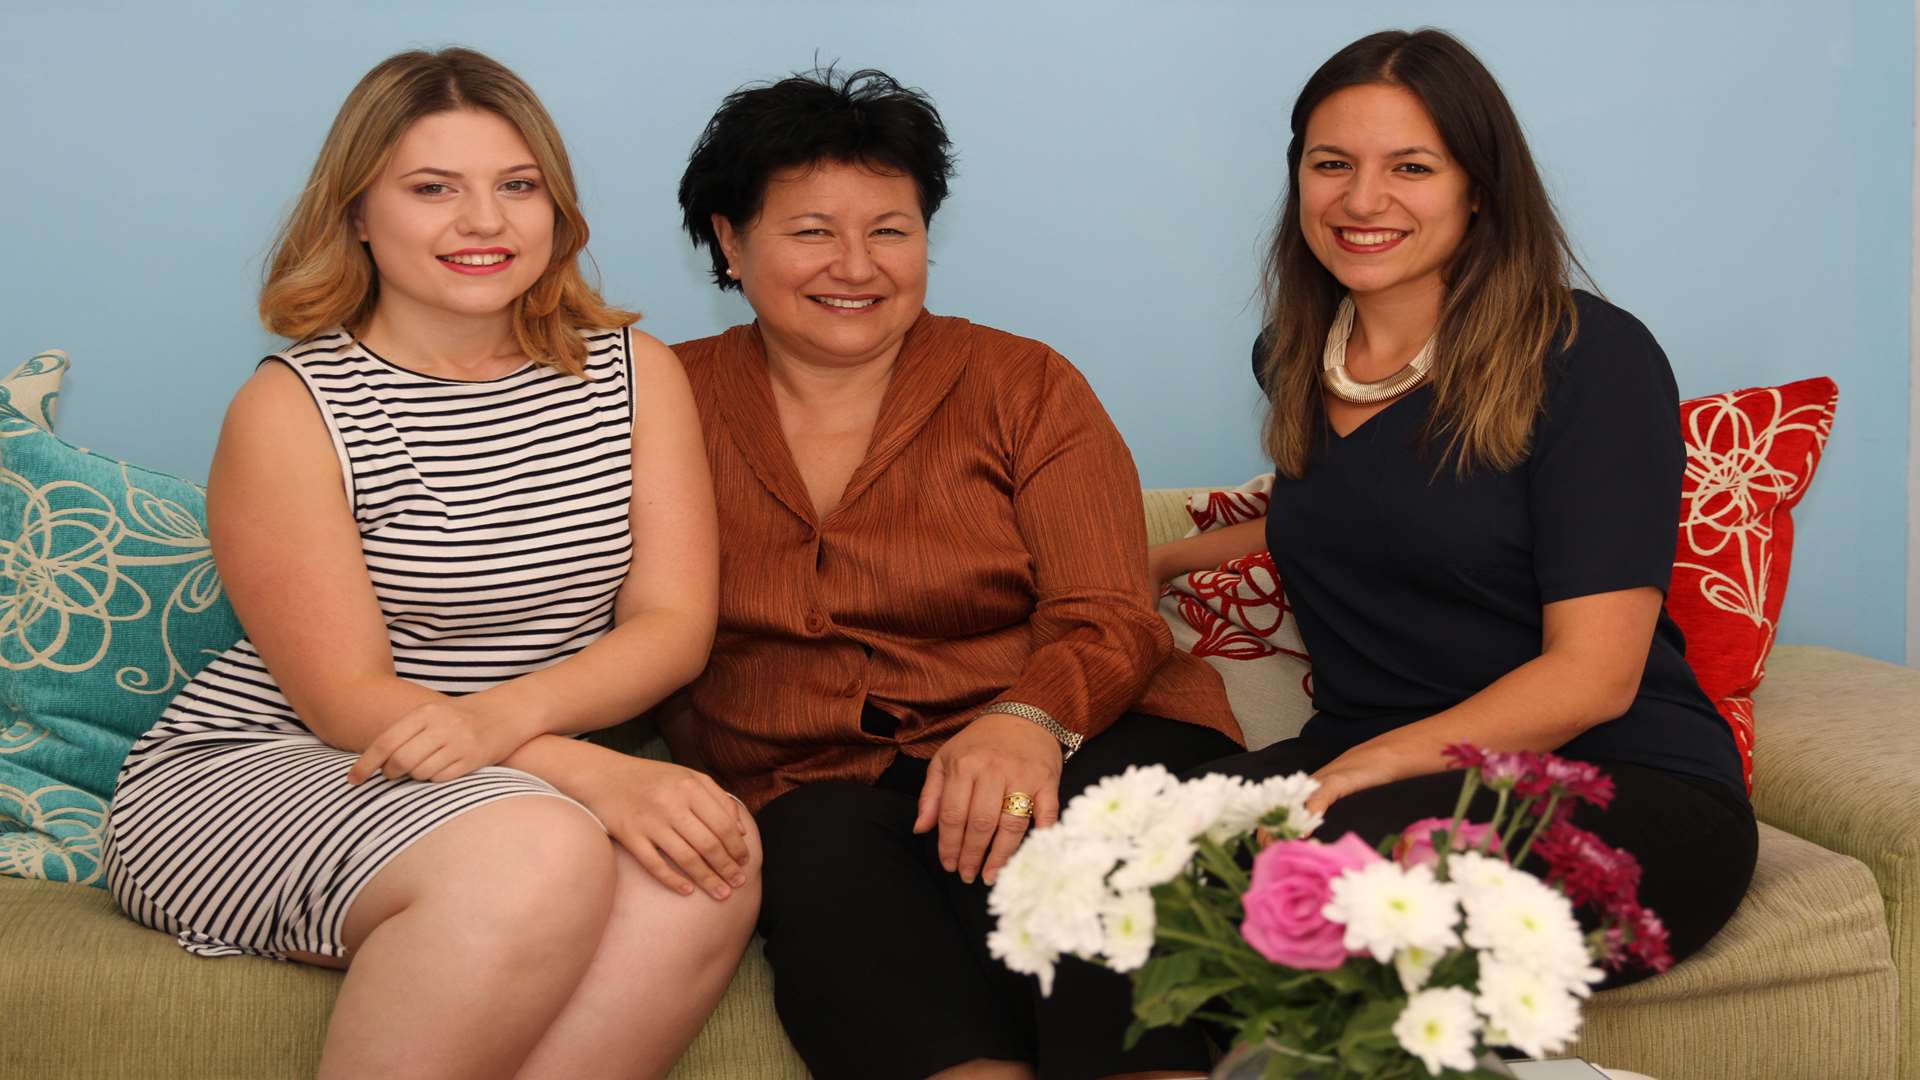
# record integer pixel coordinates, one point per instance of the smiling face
(835, 265)
(460, 221)
(1382, 203)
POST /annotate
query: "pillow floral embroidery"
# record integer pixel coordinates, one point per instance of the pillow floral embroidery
(108, 603)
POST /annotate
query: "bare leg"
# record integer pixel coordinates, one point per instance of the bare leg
(467, 945)
(662, 966)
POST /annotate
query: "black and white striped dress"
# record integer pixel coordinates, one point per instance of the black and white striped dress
(493, 520)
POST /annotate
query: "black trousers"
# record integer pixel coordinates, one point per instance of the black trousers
(1696, 839)
(880, 965)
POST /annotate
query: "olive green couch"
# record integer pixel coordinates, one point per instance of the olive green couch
(1816, 978)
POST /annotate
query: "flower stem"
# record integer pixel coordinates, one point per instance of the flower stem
(1222, 866)
(1205, 942)
(1553, 802)
(1493, 827)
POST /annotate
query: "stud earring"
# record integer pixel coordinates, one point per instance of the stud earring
(732, 273)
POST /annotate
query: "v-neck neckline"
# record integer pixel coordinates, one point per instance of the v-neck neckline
(931, 359)
(1327, 421)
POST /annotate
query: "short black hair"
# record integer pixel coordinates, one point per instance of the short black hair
(864, 118)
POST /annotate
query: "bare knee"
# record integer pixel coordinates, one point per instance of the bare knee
(529, 870)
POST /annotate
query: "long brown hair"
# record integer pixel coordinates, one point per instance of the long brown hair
(320, 275)
(1509, 287)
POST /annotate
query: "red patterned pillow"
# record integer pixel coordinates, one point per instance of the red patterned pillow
(1236, 618)
(1750, 456)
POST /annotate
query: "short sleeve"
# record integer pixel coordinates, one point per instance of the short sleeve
(1607, 462)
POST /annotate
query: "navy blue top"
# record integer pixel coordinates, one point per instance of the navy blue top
(1414, 591)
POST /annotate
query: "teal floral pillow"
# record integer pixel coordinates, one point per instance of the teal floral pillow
(108, 604)
(33, 389)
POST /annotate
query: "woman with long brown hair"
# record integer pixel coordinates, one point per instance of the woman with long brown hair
(1477, 484)
(465, 514)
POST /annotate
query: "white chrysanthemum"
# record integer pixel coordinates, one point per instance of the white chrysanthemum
(1528, 1010)
(1475, 872)
(1204, 806)
(1013, 945)
(1120, 806)
(1415, 967)
(1054, 887)
(1522, 920)
(1291, 792)
(1386, 908)
(1439, 1027)
(1129, 924)
(1156, 858)
(1243, 803)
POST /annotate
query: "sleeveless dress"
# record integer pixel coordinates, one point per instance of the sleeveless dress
(493, 521)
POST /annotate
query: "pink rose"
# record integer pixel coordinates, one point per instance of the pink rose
(1416, 844)
(1292, 883)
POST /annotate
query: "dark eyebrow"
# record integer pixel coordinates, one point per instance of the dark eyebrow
(818, 216)
(1405, 151)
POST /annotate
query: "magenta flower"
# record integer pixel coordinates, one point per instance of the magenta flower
(1577, 778)
(1416, 844)
(1508, 768)
(1465, 756)
(1648, 937)
(1586, 868)
(1292, 883)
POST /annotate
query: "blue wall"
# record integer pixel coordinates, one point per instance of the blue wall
(1737, 174)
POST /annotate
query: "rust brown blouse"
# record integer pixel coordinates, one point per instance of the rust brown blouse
(989, 548)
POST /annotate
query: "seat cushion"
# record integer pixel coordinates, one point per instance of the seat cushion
(1799, 985)
(87, 993)
(1835, 762)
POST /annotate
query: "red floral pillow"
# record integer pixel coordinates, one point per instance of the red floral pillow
(1236, 618)
(1750, 456)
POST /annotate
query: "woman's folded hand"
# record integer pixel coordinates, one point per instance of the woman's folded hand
(676, 822)
(968, 781)
(438, 740)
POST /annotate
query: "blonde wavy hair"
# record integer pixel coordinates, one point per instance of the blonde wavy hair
(1509, 299)
(320, 275)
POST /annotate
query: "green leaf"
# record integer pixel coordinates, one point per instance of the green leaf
(1162, 974)
(1350, 977)
(1368, 1045)
(1176, 1005)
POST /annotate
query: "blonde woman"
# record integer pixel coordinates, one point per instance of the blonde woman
(467, 514)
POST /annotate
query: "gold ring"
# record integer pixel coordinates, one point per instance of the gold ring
(1017, 804)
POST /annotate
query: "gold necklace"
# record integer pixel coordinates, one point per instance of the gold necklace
(1333, 366)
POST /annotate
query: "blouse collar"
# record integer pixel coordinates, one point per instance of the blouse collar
(932, 357)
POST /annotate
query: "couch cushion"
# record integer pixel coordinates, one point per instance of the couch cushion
(90, 994)
(1799, 985)
(108, 604)
(1837, 761)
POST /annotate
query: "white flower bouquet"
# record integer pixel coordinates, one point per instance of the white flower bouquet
(1410, 961)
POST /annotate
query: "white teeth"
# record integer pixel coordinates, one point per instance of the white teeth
(834, 301)
(1369, 239)
(476, 260)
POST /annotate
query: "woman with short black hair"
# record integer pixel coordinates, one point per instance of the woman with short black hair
(933, 615)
